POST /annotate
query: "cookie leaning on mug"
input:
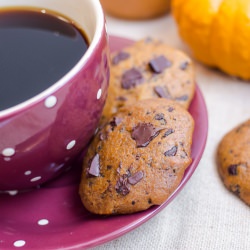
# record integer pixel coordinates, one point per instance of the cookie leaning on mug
(138, 158)
(149, 69)
(234, 161)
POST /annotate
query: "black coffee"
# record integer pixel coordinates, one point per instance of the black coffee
(36, 50)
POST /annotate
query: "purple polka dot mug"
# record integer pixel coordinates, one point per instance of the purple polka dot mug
(42, 136)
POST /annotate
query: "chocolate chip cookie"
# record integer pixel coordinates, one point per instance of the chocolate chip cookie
(149, 69)
(234, 161)
(138, 158)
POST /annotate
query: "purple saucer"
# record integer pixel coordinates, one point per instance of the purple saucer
(52, 216)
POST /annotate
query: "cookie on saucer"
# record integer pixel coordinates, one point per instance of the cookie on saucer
(138, 158)
(149, 69)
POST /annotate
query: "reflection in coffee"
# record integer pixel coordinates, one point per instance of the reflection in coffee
(37, 48)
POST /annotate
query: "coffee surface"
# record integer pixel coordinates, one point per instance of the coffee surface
(36, 50)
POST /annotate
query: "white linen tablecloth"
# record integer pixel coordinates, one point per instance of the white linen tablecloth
(205, 215)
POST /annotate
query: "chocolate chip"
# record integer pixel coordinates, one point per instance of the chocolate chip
(182, 98)
(121, 56)
(144, 133)
(168, 132)
(232, 169)
(137, 157)
(161, 92)
(131, 78)
(121, 186)
(90, 183)
(99, 148)
(94, 169)
(171, 152)
(115, 122)
(133, 202)
(159, 116)
(135, 178)
(122, 98)
(184, 65)
(159, 63)
(170, 109)
(118, 170)
(149, 201)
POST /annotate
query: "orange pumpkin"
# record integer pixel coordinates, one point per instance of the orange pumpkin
(217, 31)
(136, 9)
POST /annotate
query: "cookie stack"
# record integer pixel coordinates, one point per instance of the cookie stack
(143, 145)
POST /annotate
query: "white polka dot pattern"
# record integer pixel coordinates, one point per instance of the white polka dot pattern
(99, 94)
(28, 172)
(37, 178)
(12, 192)
(50, 101)
(8, 152)
(19, 243)
(43, 222)
(70, 145)
(7, 158)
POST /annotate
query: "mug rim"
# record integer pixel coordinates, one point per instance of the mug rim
(98, 32)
